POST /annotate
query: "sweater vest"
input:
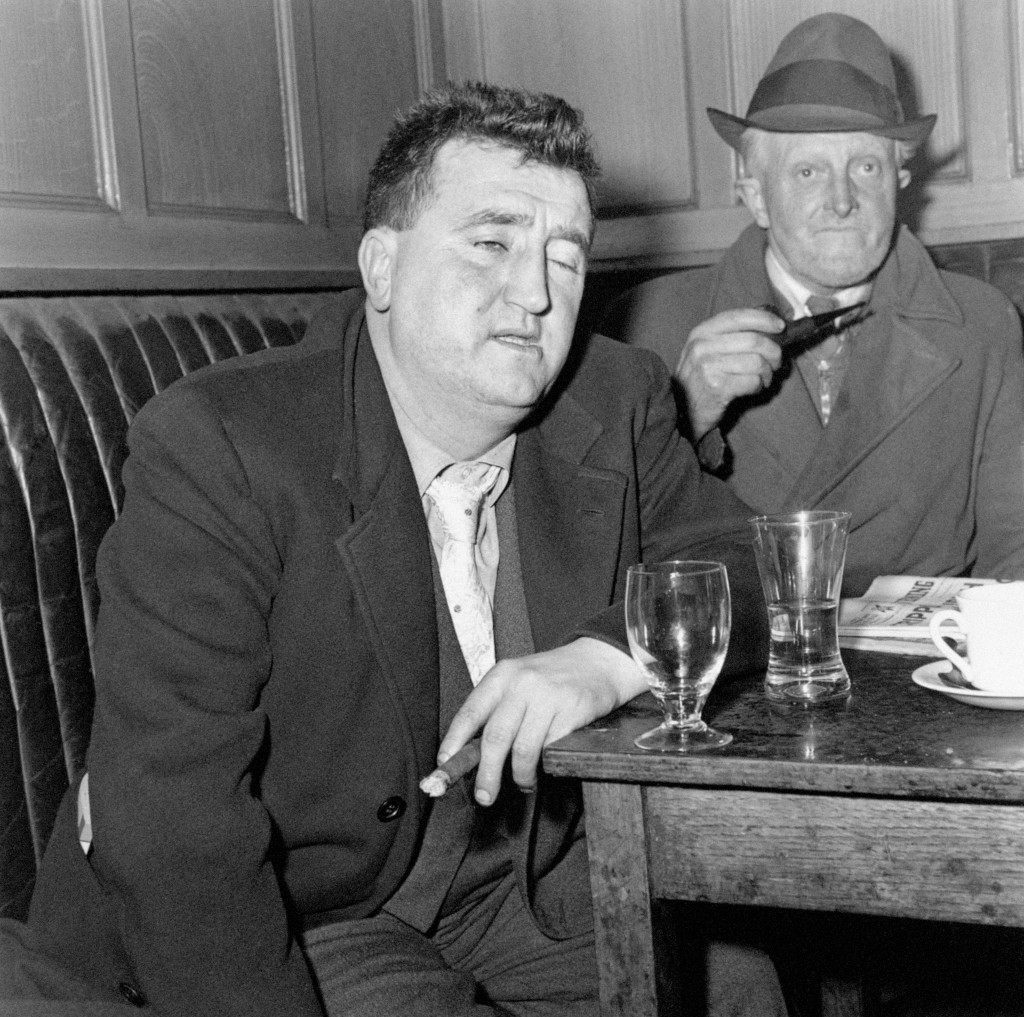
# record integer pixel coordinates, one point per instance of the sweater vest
(465, 848)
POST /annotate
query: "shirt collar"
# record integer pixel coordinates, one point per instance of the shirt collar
(797, 293)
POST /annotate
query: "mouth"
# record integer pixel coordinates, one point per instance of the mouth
(523, 340)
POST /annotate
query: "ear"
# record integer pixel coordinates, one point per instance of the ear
(750, 192)
(376, 260)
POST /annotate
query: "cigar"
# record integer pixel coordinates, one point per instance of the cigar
(812, 329)
(452, 769)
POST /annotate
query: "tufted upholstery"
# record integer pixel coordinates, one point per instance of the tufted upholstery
(73, 373)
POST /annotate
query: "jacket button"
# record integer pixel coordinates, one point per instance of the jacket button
(391, 808)
(130, 994)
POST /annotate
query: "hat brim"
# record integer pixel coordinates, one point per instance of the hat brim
(810, 119)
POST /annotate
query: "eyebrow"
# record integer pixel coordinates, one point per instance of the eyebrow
(492, 217)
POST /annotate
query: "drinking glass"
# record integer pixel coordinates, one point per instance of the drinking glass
(678, 615)
(800, 557)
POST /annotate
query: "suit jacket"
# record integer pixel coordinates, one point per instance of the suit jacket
(926, 444)
(267, 657)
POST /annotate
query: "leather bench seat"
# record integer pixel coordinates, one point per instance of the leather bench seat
(74, 371)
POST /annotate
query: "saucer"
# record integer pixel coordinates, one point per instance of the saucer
(930, 677)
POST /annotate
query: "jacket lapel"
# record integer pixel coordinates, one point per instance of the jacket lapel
(896, 365)
(385, 550)
(893, 370)
(569, 522)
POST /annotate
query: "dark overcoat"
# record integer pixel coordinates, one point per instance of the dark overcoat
(926, 444)
(267, 658)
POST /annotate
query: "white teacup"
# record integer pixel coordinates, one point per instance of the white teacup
(992, 618)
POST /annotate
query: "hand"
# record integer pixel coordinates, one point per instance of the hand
(729, 355)
(527, 703)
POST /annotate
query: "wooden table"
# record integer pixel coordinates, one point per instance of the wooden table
(896, 802)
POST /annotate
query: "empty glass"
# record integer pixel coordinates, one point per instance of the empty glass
(678, 616)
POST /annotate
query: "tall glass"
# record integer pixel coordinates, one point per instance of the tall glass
(678, 616)
(800, 557)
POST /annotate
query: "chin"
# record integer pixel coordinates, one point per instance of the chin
(519, 398)
(850, 267)
(841, 273)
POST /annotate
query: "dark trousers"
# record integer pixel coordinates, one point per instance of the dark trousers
(489, 958)
(486, 958)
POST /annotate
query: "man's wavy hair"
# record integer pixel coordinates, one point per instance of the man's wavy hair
(543, 128)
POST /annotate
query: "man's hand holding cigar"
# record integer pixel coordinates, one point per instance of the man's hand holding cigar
(524, 704)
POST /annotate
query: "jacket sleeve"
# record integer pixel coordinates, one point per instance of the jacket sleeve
(685, 513)
(999, 541)
(187, 575)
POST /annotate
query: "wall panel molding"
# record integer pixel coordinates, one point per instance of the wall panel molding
(1015, 35)
(215, 130)
(108, 185)
(424, 43)
(291, 110)
(56, 138)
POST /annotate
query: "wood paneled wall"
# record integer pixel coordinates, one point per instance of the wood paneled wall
(196, 143)
(646, 70)
(222, 142)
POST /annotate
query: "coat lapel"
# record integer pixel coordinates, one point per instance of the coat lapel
(385, 550)
(897, 364)
(569, 522)
(893, 370)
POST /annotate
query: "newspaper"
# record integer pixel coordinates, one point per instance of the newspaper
(894, 612)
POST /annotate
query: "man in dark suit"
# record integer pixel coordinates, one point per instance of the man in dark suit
(295, 628)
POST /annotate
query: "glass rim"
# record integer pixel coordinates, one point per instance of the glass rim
(695, 566)
(802, 516)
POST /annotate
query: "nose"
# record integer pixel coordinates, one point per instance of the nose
(842, 195)
(527, 283)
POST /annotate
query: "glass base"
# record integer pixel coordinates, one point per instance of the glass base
(818, 688)
(676, 738)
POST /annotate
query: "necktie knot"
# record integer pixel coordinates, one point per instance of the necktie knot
(459, 493)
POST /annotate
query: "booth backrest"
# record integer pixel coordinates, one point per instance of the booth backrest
(74, 371)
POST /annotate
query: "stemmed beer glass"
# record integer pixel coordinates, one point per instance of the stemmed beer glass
(678, 616)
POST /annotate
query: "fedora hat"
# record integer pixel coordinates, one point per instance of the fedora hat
(831, 73)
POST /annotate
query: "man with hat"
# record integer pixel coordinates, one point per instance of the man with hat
(912, 416)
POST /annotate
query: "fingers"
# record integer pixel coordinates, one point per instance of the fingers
(523, 704)
(499, 717)
(730, 355)
(742, 319)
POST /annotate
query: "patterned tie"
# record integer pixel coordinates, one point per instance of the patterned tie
(830, 357)
(458, 495)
